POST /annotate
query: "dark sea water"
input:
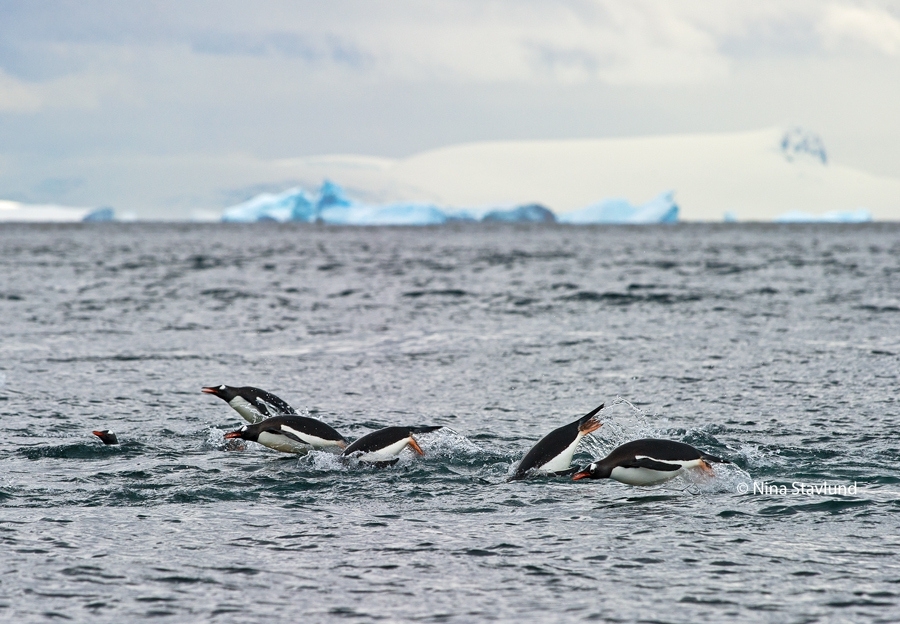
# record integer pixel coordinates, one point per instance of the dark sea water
(777, 347)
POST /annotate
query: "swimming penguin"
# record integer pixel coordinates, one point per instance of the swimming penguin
(553, 454)
(107, 436)
(383, 446)
(291, 434)
(251, 403)
(648, 462)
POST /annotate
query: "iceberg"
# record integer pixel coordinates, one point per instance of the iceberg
(100, 215)
(660, 209)
(529, 213)
(836, 216)
(391, 214)
(291, 205)
(331, 205)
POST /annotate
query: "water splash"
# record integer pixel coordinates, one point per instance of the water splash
(449, 443)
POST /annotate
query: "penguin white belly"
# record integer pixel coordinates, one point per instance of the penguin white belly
(313, 441)
(648, 476)
(563, 461)
(388, 452)
(642, 476)
(281, 443)
(246, 409)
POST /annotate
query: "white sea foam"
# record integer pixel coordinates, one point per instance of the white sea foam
(447, 442)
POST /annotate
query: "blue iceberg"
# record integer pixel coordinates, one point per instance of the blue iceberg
(391, 214)
(291, 205)
(660, 209)
(529, 213)
(333, 206)
(837, 216)
(100, 215)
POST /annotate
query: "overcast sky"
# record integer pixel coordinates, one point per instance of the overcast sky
(93, 80)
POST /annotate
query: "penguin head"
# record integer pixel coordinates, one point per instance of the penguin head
(595, 471)
(106, 436)
(226, 393)
(244, 433)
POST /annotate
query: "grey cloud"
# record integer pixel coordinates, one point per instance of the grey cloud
(284, 44)
(790, 36)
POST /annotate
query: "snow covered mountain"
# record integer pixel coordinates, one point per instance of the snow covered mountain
(751, 176)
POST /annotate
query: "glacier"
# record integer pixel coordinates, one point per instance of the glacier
(332, 205)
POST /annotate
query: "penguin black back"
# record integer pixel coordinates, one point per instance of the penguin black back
(246, 400)
(377, 440)
(662, 450)
(302, 429)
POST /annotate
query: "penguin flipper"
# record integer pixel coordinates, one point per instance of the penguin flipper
(288, 434)
(385, 464)
(713, 459)
(652, 464)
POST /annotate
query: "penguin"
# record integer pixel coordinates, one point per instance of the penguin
(553, 454)
(382, 447)
(648, 462)
(251, 403)
(291, 434)
(106, 436)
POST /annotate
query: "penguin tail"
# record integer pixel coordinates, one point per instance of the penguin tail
(712, 459)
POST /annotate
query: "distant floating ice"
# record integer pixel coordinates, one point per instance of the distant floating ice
(11, 211)
(661, 209)
(332, 205)
(850, 216)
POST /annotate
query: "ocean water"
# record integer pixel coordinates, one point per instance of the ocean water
(776, 347)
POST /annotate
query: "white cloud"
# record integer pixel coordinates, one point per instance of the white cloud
(74, 91)
(871, 26)
(17, 96)
(612, 42)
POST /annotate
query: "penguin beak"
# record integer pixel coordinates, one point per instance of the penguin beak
(99, 434)
(209, 390)
(584, 474)
(415, 446)
(232, 434)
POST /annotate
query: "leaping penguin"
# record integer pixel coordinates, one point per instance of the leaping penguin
(553, 454)
(382, 447)
(106, 436)
(291, 434)
(648, 462)
(251, 403)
